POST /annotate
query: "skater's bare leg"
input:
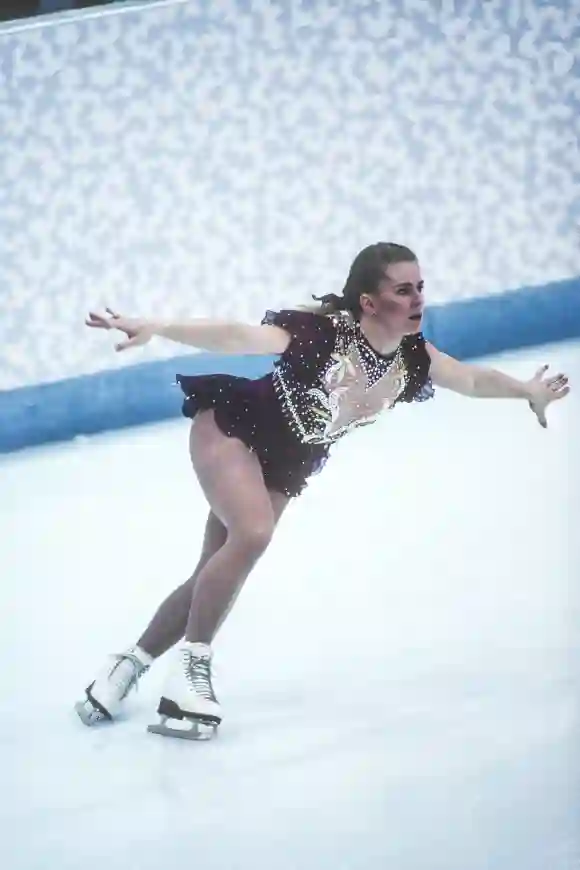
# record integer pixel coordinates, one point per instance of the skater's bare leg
(279, 502)
(231, 478)
(245, 513)
(168, 625)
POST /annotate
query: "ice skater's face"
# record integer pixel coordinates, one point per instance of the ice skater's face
(398, 304)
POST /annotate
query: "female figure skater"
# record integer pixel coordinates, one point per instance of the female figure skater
(255, 443)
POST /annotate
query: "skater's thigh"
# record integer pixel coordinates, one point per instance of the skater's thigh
(231, 478)
(279, 503)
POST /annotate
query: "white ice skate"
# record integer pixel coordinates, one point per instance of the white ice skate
(106, 694)
(188, 701)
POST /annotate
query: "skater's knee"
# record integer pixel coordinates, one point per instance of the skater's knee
(252, 537)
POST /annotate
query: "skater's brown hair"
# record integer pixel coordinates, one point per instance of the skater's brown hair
(366, 272)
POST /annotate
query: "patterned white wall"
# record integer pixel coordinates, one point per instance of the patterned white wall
(218, 158)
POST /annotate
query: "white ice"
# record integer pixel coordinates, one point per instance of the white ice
(400, 677)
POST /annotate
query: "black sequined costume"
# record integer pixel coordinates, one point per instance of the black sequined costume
(327, 382)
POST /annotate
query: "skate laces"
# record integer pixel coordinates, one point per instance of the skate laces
(198, 674)
(127, 681)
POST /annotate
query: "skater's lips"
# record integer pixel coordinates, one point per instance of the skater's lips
(416, 316)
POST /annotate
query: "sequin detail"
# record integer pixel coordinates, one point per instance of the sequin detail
(350, 388)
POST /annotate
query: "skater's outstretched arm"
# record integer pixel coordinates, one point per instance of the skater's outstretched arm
(487, 383)
(228, 337)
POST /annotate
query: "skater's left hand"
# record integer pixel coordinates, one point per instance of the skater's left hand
(543, 391)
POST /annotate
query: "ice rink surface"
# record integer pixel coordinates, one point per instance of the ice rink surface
(400, 677)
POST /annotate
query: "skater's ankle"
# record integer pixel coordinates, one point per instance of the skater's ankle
(195, 648)
(144, 657)
(196, 645)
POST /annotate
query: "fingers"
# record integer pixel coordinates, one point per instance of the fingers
(540, 415)
(555, 388)
(558, 387)
(134, 339)
(554, 383)
(97, 321)
(128, 342)
(560, 393)
(557, 382)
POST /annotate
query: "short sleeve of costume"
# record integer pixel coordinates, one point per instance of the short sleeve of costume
(313, 338)
(419, 386)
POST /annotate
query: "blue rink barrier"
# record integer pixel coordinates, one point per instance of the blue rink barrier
(147, 393)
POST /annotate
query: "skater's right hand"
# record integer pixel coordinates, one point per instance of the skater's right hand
(138, 332)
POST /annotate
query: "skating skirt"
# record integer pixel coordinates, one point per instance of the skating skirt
(249, 410)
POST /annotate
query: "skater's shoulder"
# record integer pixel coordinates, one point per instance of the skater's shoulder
(304, 322)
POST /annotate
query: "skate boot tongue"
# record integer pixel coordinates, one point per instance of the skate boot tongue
(197, 663)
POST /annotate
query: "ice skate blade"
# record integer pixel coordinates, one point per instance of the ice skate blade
(89, 711)
(88, 715)
(185, 729)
